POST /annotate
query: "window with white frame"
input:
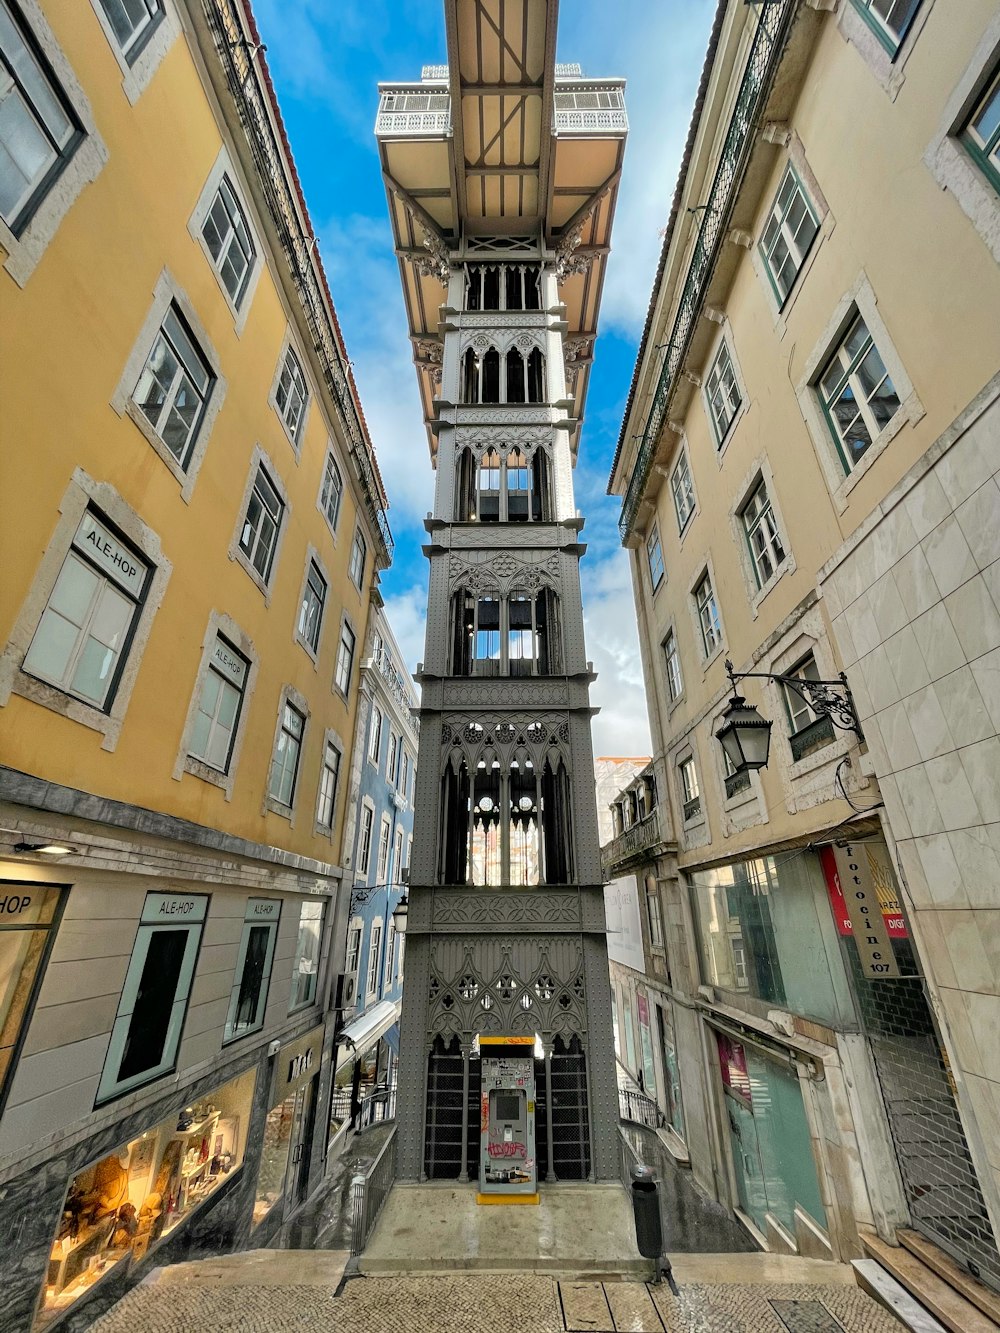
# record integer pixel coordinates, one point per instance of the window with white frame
(174, 387)
(345, 659)
(890, 19)
(981, 134)
(305, 968)
(353, 949)
(682, 489)
(147, 1028)
(311, 610)
(397, 856)
(654, 913)
(374, 956)
(326, 801)
(808, 731)
(291, 394)
(708, 615)
(672, 664)
(85, 631)
(404, 782)
(219, 706)
(262, 524)
(409, 848)
(857, 394)
(722, 393)
(382, 865)
(39, 131)
(331, 491)
(248, 998)
(390, 951)
(654, 556)
(359, 554)
(788, 233)
(690, 791)
(365, 839)
(391, 760)
(375, 735)
(287, 752)
(226, 233)
(763, 538)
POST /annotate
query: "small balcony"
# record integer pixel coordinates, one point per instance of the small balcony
(815, 736)
(418, 111)
(634, 843)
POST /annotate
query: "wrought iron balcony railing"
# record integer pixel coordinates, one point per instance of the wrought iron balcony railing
(640, 838)
(762, 62)
(815, 736)
(247, 79)
(736, 782)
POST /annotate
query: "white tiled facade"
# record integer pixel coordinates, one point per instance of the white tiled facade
(915, 598)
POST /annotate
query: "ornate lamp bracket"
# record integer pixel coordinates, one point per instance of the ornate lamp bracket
(826, 698)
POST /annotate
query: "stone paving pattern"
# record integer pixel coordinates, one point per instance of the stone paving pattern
(488, 1303)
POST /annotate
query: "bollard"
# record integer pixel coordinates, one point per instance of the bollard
(646, 1207)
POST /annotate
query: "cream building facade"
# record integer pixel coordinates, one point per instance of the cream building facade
(808, 487)
(188, 570)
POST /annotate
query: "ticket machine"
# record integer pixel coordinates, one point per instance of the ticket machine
(507, 1171)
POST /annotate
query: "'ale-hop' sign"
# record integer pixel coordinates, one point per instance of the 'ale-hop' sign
(870, 934)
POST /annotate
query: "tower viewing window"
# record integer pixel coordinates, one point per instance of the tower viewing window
(501, 287)
(513, 636)
(506, 825)
(514, 489)
(519, 377)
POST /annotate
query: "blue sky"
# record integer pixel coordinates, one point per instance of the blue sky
(326, 60)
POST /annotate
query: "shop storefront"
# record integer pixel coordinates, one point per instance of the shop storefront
(769, 1138)
(121, 1207)
(671, 1100)
(282, 1180)
(367, 1053)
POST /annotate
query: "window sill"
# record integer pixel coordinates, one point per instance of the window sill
(296, 443)
(264, 587)
(787, 566)
(279, 808)
(199, 769)
(58, 701)
(722, 446)
(911, 411)
(875, 48)
(310, 652)
(706, 662)
(184, 477)
(239, 1036)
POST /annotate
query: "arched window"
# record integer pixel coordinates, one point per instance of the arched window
(502, 287)
(486, 850)
(519, 479)
(465, 487)
(515, 376)
(536, 377)
(516, 636)
(488, 487)
(470, 377)
(541, 509)
(486, 639)
(557, 847)
(523, 819)
(490, 384)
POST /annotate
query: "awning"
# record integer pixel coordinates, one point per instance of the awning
(365, 1030)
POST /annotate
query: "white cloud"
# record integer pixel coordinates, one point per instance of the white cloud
(622, 726)
(406, 612)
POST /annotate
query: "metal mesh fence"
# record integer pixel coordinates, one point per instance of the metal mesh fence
(945, 1200)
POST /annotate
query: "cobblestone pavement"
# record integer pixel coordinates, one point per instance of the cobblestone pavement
(499, 1304)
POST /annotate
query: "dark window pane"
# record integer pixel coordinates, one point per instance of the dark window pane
(147, 1032)
(253, 976)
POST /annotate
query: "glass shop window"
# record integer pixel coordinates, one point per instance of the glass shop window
(765, 932)
(27, 917)
(305, 970)
(121, 1207)
(253, 968)
(147, 1028)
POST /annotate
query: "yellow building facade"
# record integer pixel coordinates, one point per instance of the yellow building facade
(823, 330)
(194, 525)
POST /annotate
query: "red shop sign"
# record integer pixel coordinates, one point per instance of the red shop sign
(892, 913)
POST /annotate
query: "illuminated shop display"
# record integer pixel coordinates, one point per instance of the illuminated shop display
(118, 1208)
(285, 1156)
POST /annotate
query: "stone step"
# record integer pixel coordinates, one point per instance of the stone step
(257, 1268)
(884, 1288)
(946, 1304)
(934, 1257)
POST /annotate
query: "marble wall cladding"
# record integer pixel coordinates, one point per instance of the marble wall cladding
(31, 1205)
(917, 602)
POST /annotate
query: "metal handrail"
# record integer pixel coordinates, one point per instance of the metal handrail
(369, 1191)
(639, 1109)
(247, 90)
(761, 64)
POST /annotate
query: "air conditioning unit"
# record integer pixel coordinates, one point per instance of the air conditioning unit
(347, 995)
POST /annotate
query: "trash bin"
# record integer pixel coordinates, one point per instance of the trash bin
(646, 1207)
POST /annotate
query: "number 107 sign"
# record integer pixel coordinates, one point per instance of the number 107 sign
(865, 910)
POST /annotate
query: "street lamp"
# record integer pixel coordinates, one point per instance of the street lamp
(399, 913)
(746, 736)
